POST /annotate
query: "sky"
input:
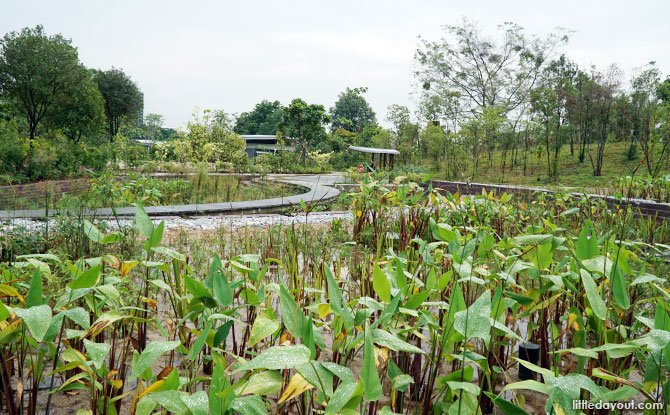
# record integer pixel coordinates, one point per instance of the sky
(230, 55)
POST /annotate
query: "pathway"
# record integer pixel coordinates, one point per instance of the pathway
(320, 189)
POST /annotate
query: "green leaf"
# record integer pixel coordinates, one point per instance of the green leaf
(341, 396)
(316, 374)
(4, 312)
(97, 352)
(620, 288)
(402, 382)
(156, 235)
(34, 296)
(94, 234)
(249, 405)
(267, 382)
(220, 392)
(471, 388)
(475, 321)
(199, 342)
(532, 385)
(264, 326)
(153, 351)
(198, 403)
(87, 279)
(587, 243)
(416, 300)
(170, 400)
(505, 406)
(386, 339)
(381, 284)
(371, 384)
(342, 372)
(222, 292)
(597, 303)
(143, 222)
(278, 357)
(337, 303)
(37, 319)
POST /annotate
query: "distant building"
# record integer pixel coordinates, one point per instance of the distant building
(261, 144)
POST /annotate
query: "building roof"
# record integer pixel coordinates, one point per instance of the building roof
(259, 137)
(374, 150)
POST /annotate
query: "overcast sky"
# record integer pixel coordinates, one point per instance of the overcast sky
(230, 55)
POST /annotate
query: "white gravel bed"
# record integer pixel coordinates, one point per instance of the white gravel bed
(194, 222)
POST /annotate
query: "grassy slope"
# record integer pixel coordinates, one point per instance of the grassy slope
(572, 173)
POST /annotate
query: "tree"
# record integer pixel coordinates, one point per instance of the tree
(550, 104)
(603, 91)
(302, 125)
(399, 116)
(263, 119)
(79, 109)
(153, 125)
(34, 70)
(351, 111)
(644, 109)
(123, 99)
(473, 72)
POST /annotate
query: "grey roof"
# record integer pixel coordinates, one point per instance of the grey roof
(374, 150)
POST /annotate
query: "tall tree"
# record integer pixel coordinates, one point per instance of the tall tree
(79, 109)
(351, 111)
(550, 104)
(604, 89)
(123, 99)
(472, 72)
(302, 125)
(644, 112)
(153, 125)
(263, 119)
(34, 69)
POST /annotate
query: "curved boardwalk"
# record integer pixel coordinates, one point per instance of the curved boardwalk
(320, 189)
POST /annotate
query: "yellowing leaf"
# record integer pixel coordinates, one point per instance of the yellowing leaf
(324, 310)
(296, 386)
(154, 387)
(9, 291)
(127, 266)
(117, 383)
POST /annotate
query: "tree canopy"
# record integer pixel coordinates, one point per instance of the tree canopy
(34, 70)
(351, 111)
(123, 99)
(263, 119)
(302, 125)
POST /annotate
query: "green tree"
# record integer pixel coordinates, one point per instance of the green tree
(549, 102)
(351, 111)
(79, 110)
(645, 109)
(263, 119)
(153, 125)
(123, 99)
(302, 125)
(34, 70)
(470, 72)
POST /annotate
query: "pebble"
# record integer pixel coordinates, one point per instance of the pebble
(191, 223)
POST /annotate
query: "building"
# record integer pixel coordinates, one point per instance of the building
(261, 144)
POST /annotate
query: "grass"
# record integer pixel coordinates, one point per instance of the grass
(572, 173)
